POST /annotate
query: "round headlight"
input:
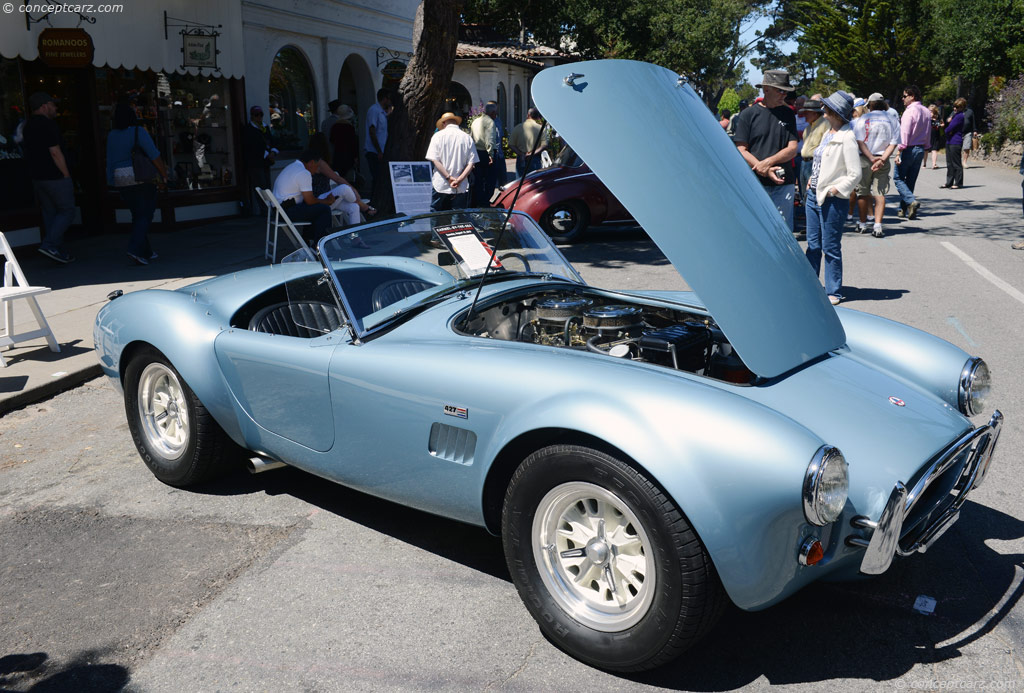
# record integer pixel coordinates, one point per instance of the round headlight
(975, 386)
(825, 486)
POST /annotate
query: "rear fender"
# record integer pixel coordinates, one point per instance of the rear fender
(185, 335)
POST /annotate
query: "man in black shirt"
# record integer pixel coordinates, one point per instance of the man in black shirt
(257, 154)
(44, 153)
(765, 135)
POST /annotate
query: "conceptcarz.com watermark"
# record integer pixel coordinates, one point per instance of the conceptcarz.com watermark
(63, 7)
(955, 685)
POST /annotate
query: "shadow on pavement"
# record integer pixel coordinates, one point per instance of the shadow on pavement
(852, 293)
(82, 674)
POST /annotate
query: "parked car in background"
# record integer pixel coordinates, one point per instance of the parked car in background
(565, 198)
(645, 456)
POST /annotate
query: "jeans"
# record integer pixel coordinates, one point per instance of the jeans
(825, 233)
(57, 203)
(804, 173)
(141, 201)
(483, 180)
(318, 215)
(782, 198)
(521, 169)
(259, 177)
(906, 172)
(442, 202)
(954, 165)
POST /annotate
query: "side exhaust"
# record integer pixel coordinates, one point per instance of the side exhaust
(258, 464)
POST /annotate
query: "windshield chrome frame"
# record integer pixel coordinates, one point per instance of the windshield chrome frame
(359, 332)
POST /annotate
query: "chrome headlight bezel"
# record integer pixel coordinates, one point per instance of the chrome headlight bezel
(823, 499)
(975, 386)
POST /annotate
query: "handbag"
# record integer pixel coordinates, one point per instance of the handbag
(145, 170)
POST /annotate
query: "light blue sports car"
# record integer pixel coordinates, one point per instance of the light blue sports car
(645, 456)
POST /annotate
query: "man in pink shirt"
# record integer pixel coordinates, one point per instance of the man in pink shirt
(915, 137)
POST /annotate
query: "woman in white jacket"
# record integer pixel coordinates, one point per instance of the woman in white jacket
(834, 175)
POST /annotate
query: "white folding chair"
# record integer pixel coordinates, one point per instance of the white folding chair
(15, 287)
(277, 219)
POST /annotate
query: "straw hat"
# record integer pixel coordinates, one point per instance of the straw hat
(449, 116)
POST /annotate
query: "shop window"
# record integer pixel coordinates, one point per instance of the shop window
(188, 117)
(16, 191)
(292, 100)
(517, 104)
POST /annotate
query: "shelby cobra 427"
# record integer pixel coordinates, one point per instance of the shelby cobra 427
(644, 456)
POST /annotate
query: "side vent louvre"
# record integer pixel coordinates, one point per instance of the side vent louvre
(452, 444)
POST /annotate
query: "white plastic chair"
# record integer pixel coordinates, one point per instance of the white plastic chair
(277, 219)
(16, 286)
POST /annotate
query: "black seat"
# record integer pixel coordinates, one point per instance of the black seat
(395, 290)
(306, 319)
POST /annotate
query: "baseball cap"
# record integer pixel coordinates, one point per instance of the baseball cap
(40, 98)
(876, 97)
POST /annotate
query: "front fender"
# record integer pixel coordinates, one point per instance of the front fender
(734, 467)
(184, 333)
(905, 352)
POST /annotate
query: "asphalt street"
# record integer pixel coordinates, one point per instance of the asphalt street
(110, 580)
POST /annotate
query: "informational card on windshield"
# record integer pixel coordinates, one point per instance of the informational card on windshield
(468, 248)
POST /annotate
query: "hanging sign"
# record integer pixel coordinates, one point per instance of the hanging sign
(199, 50)
(65, 48)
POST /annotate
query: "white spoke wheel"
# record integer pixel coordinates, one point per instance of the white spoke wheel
(590, 549)
(174, 433)
(605, 562)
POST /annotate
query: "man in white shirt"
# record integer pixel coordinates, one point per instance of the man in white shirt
(453, 154)
(293, 188)
(877, 136)
(376, 133)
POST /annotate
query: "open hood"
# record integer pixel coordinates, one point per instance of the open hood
(654, 143)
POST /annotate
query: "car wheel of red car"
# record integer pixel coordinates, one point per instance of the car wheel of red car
(176, 436)
(566, 222)
(606, 563)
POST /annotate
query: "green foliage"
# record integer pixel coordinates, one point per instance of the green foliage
(1005, 113)
(871, 45)
(943, 90)
(730, 100)
(976, 39)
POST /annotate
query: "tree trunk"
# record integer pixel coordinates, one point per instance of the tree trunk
(422, 90)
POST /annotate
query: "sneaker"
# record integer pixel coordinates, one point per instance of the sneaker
(154, 256)
(57, 255)
(834, 300)
(912, 209)
(863, 227)
(877, 232)
(901, 214)
(138, 260)
(1019, 245)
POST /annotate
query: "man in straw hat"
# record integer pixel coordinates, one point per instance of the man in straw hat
(765, 135)
(453, 154)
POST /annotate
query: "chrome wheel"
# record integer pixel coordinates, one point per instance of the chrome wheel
(564, 220)
(163, 410)
(592, 555)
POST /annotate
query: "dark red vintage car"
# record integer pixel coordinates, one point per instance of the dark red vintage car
(565, 198)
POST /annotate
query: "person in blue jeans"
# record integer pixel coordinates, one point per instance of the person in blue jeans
(139, 195)
(835, 173)
(915, 136)
(51, 178)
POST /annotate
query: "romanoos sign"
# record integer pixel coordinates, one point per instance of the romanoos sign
(65, 48)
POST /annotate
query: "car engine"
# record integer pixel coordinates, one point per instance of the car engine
(580, 320)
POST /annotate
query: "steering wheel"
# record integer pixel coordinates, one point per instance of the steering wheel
(517, 256)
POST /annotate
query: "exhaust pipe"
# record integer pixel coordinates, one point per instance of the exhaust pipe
(258, 464)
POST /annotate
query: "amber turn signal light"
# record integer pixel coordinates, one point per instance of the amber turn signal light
(811, 551)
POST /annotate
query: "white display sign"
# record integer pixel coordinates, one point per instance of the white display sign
(411, 186)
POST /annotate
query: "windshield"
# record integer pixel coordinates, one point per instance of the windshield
(396, 266)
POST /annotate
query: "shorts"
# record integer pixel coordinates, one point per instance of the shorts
(873, 183)
(968, 141)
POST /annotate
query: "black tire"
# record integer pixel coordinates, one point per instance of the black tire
(673, 596)
(566, 222)
(176, 436)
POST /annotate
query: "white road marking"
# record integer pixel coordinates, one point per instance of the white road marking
(983, 271)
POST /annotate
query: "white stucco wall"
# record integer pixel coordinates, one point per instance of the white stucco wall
(481, 78)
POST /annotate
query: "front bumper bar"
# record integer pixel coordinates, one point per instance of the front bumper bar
(887, 537)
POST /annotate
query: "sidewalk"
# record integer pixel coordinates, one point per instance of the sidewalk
(80, 289)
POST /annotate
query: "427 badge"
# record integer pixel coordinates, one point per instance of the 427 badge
(459, 412)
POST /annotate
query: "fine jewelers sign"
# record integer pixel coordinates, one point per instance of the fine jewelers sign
(65, 48)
